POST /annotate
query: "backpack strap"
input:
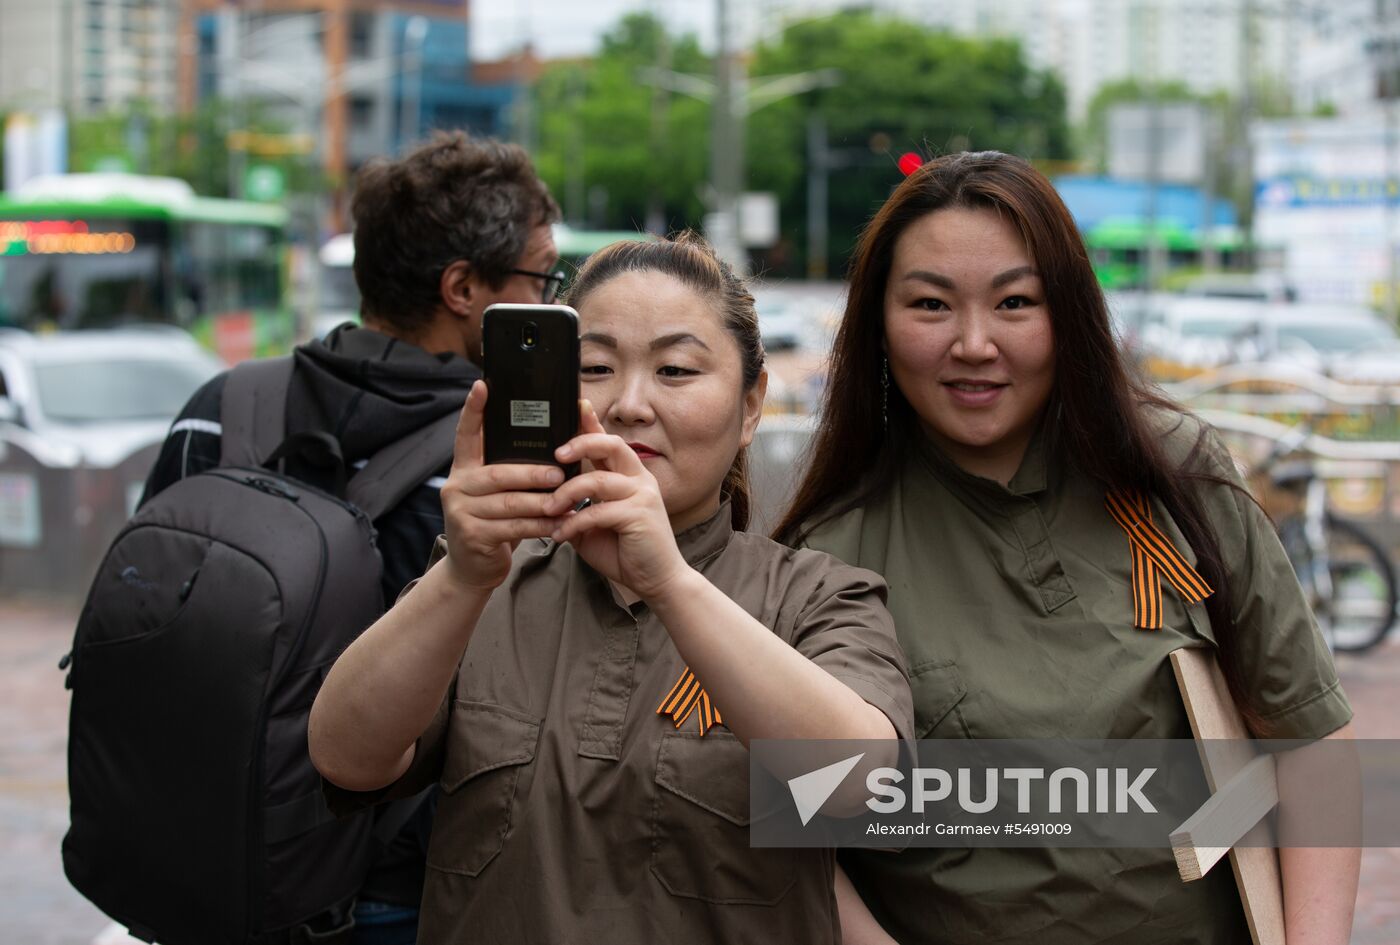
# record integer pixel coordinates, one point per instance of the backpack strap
(253, 411)
(402, 466)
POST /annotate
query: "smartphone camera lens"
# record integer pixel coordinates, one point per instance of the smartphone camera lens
(529, 335)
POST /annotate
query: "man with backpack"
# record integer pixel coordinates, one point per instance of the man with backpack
(365, 415)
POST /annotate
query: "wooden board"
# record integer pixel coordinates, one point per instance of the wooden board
(1226, 819)
(1225, 753)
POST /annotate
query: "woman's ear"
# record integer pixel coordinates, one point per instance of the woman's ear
(753, 407)
(457, 288)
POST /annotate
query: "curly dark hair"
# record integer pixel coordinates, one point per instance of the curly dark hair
(452, 198)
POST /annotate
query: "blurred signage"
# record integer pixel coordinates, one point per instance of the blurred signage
(235, 337)
(34, 146)
(40, 237)
(19, 511)
(1320, 191)
(270, 145)
(1169, 137)
(758, 219)
(264, 182)
(1321, 195)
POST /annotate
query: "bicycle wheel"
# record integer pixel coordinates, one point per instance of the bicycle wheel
(1364, 593)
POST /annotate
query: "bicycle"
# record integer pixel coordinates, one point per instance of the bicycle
(1346, 574)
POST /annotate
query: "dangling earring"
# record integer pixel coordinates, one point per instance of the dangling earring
(885, 393)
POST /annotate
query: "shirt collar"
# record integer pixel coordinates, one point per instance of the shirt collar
(698, 544)
(1030, 477)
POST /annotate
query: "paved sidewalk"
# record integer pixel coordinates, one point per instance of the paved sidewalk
(1372, 682)
(38, 907)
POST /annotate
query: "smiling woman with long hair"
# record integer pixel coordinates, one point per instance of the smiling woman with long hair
(583, 686)
(984, 447)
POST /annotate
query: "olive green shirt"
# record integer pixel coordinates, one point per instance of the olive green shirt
(1014, 606)
(570, 811)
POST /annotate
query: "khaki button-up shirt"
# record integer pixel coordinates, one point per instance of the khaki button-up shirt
(570, 811)
(1014, 605)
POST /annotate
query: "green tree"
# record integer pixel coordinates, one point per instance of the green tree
(193, 147)
(607, 148)
(903, 88)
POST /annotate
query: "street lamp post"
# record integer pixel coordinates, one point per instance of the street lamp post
(733, 98)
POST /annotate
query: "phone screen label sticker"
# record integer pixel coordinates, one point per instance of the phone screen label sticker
(529, 413)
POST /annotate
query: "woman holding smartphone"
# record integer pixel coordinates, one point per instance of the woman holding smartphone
(583, 685)
(1050, 530)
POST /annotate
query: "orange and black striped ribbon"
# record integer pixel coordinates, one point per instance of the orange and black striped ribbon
(686, 697)
(1153, 556)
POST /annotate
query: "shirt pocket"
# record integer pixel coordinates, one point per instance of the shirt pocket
(488, 748)
(938, 688)
(700, 825)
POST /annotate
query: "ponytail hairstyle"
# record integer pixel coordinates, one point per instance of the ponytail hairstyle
(688, 258)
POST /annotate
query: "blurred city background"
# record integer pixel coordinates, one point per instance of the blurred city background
(176, 176)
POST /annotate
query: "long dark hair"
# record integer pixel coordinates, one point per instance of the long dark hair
(1100, 410)
(690, 259)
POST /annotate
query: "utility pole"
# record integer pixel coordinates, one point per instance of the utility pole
(415, 34)
(726, 146)
(818, 170)
(1246, 162)
(1392, 73)
(1147, 33)
(337, 106)
(237, 158)
(1210, 253)
(660, 107)
(574, 168)
(524, 111)
(732, 98)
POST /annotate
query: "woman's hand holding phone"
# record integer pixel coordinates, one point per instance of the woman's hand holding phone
(489, 509)
(625, 535)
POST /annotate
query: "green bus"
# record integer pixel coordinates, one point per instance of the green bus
(103, 250)
(1118, 248)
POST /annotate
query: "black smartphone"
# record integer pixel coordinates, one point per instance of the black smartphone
(530, 355)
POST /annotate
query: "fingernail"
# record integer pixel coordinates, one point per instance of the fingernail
(588, 405)
(564, 452)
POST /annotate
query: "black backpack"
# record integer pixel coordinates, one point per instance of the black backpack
(197, 817)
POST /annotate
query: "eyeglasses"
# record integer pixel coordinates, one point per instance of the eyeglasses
(552, 282)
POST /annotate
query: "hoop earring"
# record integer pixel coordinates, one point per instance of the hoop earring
(885, 393)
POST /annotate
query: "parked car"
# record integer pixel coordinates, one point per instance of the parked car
(1193, 332)
(82, 417)
(1327, 338)
(1182, 334)
(1259, 286)
(797, 321)
(1374, 364)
